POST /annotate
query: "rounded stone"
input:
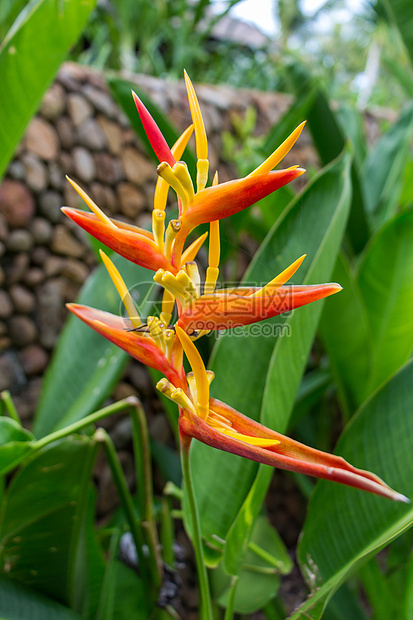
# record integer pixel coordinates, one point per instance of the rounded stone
(131, 200)
(36, 175)
(42, 231)
(79, 109)
(53, 103)
(91, 135)
(19, 240)
(22, 330)
(64, 243)
(65, 132)
(6, 306)
(11, 373)
(4, 229)
(23, 299)
(50, 204)
(83, 164)
(16, 203)
(33, 359)
(41, 138)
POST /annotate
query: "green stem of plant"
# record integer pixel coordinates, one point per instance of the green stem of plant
(229, 612)
(126, 499)
(206, 606)
(84, 422)
(6, 398)
(145, 488)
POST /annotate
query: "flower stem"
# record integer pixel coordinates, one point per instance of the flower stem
(142, 455)
(127, 502)
(206, 606)
(229, 612)
(84, 422)
(5, 397)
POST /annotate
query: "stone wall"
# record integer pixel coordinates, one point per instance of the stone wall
(80, 131)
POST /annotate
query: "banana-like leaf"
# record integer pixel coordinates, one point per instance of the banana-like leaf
(258, 369)
(382, 173)
(18, 601)
(85, 366)
(345, 330)
(344, 526)
(44, 512)
(15, 444)
(30, 55)
(384, 281)
(401, 12)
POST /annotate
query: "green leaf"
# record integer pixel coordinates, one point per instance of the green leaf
(43, 513)
(258, 579)
(295, 115)
(345, 331)
(351, 123)
(18, 602)
(345, 526)
(260, 374)
(384, 280)
(30, 56)
(401, 12)
(382, 173)
(15, 444)
(329, 140)
(86, 366)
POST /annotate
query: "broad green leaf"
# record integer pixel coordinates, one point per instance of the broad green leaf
(382, 173)
(345, 526)
(43, 513)
(85, 366)
(18, 602)
(247, 362)
(295, 115)
(350, 121)
(329, 140)
(345, 331)
(30, 56)
(384, 280)
(259, 576)
(401, 12)
(15, 444)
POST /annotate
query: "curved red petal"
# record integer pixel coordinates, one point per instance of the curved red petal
(140, 346)
(220, 201)
(288, 454)
(226, 310)
(155, 136)
(127, 241)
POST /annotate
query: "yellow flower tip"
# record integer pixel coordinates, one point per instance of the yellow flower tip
(200, 134)
(198, 368)
(92, 205)
(122, 290)
(215, 179)
(193, 249)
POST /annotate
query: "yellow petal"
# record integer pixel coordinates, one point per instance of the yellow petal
(198, 368)
(279, 153)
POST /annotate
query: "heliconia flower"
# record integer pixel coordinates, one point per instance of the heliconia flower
(139, 344)
(220, 426)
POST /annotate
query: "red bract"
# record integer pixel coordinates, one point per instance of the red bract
(229, 430)
(224, 310)
(139, 345)
(131, 242)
